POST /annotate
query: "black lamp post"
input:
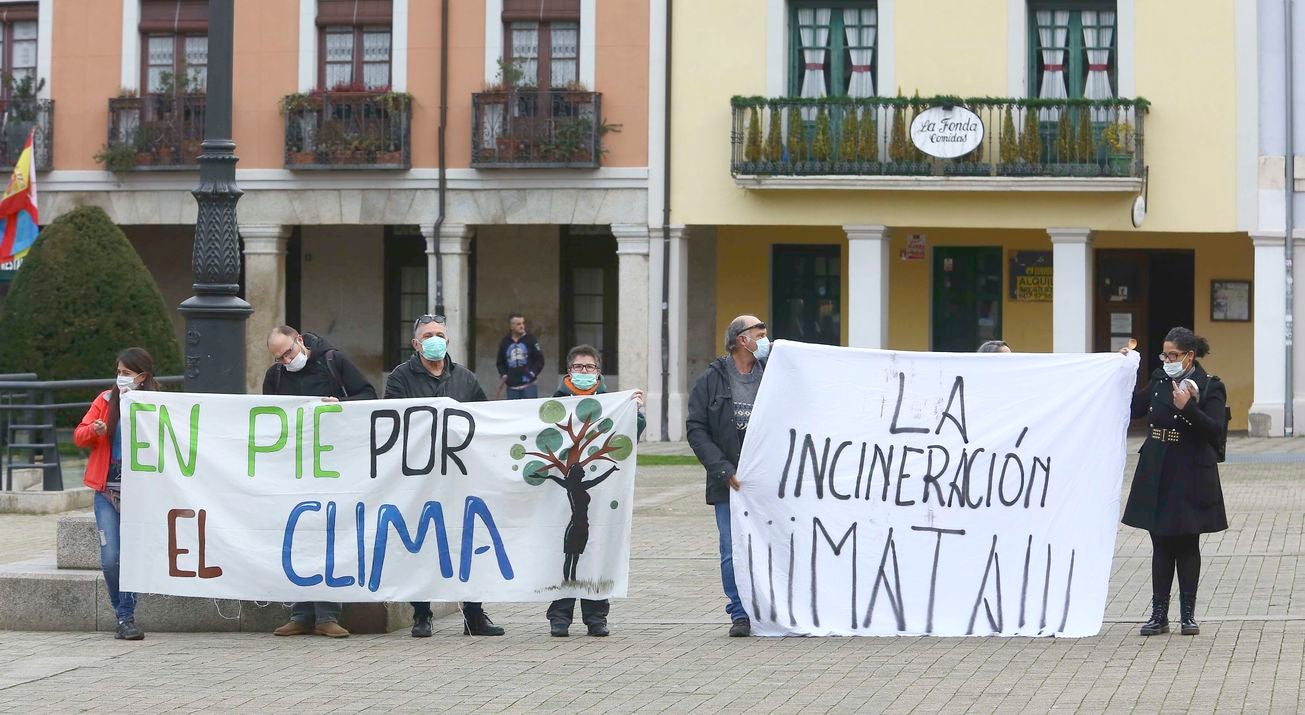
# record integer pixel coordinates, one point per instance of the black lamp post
(215, 315)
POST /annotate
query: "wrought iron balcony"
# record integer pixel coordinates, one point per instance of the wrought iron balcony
(18, 117)
(1026, 143)
(157, 132)
(526, 128)
(348, 130)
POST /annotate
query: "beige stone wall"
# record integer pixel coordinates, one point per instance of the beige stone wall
(166, 252)
(343, 292)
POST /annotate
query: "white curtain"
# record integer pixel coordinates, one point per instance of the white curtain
(563, 50)
(862, 40)
(814, 30)
(1098, 29)
(1053, 32)
(525, 51)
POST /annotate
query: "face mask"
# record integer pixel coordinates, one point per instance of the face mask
(1174, 369)
(297, 362)
(763, 349)
(584, 380)
(126, 383)
(434, 348)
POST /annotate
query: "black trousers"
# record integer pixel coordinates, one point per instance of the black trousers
(422, 608)
(591, 612)
(1175, 553)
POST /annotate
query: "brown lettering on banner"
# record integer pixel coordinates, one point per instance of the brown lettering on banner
(173, 550)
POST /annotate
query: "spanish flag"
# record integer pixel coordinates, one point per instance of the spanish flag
(18, 216)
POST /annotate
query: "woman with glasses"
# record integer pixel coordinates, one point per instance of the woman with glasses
(1176, 494)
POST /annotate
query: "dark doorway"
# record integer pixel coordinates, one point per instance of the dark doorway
(590, 293)
(294, 278)
(966, 297)
(806, 293)
(1141, 295)
(405, 290)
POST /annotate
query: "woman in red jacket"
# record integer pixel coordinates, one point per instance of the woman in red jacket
(101, 430)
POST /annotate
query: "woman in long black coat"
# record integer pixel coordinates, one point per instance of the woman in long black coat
(1176, 494)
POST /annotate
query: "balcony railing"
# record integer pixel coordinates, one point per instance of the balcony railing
(525, 128)
(348, 130)
(157, 132)
(18, 117)
(1022, 138)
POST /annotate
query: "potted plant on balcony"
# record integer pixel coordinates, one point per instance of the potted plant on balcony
(117, 157)
(190, 151)
(333, 144)
(752, 148)
(1119, 137)
(796, 145)
(849, 136)
(868, 143)
(773, 150)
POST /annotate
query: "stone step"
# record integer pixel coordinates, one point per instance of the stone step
(35, 501)
(38, 595)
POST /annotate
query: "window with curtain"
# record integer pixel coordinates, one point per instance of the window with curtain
(1072, 51)
(354, 44)
(543, 41)
(174, 44)
(18, 42)
(832, 48)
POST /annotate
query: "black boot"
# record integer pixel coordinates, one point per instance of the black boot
(1187, 603)
(1159, 622)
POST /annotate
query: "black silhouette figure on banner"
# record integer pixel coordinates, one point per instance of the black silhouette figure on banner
(577, 530)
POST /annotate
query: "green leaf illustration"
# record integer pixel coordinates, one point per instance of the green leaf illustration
(550, 440)
(536, 473)
(552, 412)
(588, 410)
(621, 446)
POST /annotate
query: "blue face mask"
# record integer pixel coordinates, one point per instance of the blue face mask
(584, 380)
(763, 349)
(434, 348)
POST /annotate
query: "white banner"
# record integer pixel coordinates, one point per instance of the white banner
(893, 493)
(295, 499)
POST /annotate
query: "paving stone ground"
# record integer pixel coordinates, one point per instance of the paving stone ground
(669, 653)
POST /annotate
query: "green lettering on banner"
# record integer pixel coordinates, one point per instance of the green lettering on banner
(254, 448)
(136, 466)
(166, 428)
(318, 447)
(299, 443)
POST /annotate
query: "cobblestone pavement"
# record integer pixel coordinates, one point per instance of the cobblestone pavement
(669, 652)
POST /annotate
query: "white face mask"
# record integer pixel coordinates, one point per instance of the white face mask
(1175, 369)
(297, 362)
(126, 383)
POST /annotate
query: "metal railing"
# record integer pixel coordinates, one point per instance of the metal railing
(348, 130)
(155, 132)
(18, 117)
(871, 137)
(526, 128)
(28, 413)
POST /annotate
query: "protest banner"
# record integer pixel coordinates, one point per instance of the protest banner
(296, 499)
(895, 493)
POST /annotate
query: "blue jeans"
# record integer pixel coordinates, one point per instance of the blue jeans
(109, 522)
(310, 612)
(529, 392)
(735, 607)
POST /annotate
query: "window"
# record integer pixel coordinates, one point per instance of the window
(1072, 50)
(589, 293)
(18, 42)
(806, 288)
(174, 37)
(405, 290)
(543, 41)
(833, 49)
(354, 44)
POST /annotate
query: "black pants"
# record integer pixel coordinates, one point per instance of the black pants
(591, 612)
(1175, 553)
(422, 609)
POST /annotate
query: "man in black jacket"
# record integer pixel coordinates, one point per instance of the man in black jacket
(720, 406)
(520, 360)
(432, 373)
(308, 365)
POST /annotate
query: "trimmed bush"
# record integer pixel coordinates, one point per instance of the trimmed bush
(80, 297)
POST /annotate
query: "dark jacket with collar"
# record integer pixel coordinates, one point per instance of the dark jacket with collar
(520, 375)
(564, 390)
(1176, 486)
(412, 379)
(339, 379)
(710, 427)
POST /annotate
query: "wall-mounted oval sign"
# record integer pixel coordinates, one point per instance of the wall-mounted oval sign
(947, 132)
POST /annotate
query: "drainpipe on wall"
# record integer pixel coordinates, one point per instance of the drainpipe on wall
(1289, 244)
(666, 239)
(439, 133)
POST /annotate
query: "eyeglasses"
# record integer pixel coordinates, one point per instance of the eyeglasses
(284, 357)
(427, 318)
(753, 327)
(1172, 356)
(584, 368)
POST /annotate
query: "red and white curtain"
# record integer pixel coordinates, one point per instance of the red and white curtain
(860, 27)
(1053, 33)
(1098, 31)
(813, 28)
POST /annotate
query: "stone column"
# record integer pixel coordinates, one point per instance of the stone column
(632, 313)
(1270, 300)
(454, 244)
(1071, 303)
(676, 398)
(264, 251)
(867, 286)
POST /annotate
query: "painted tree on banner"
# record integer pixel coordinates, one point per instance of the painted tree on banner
(573, 444)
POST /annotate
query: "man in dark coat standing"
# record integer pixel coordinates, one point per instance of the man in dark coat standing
(432, 373)
(720, 406)
(520, 360)
(1176, 494)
